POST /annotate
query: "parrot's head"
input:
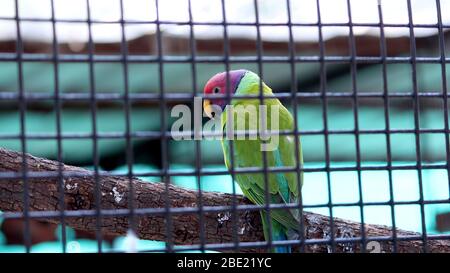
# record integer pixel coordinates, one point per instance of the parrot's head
(218, 85)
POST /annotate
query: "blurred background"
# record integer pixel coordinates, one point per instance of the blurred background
(74, 71)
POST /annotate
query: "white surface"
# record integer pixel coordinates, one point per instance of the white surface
(270, 11)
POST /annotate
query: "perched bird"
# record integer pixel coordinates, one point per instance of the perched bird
(283, 187)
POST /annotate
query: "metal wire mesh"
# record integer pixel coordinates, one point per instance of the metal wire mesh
(164, 98)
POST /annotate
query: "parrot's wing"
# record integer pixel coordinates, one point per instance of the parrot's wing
(287, 153)
(285, 156)
(290, 182)
(283, 186)
(291, 155)
(253, 184)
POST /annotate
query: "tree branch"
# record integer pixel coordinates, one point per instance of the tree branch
(79, 195)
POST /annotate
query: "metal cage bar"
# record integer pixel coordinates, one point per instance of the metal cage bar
(58, 106)
(93, 109)
(294, 105)
(164, 148)
(417, 122)
(23, 136)
(386, 97)
(323, 88)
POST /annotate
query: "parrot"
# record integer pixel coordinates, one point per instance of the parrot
(283, 187)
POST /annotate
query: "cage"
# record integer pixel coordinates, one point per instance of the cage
(90, 162)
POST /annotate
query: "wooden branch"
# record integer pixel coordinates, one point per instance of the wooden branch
(80, 195)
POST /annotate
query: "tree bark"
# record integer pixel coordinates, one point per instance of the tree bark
(80, 195)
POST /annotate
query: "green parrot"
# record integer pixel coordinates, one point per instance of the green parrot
(284, 187)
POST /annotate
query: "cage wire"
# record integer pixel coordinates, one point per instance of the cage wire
(291, 98)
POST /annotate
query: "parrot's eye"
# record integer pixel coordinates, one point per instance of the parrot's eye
(216, 90)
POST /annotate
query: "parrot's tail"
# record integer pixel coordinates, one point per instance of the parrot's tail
(280, 236)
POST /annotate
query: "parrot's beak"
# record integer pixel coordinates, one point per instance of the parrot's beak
(208, 109)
